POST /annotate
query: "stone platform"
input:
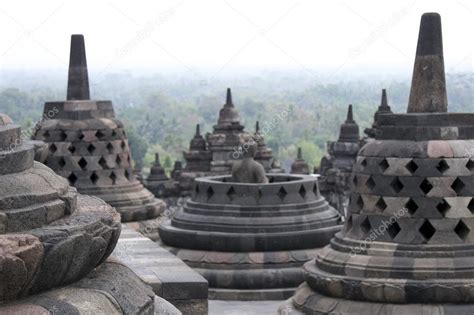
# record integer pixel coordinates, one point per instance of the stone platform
(168, 276)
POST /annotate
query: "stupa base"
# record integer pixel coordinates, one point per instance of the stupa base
(248, 276)
(307, 301)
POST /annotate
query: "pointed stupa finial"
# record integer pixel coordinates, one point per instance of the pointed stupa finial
(228, 100)
(300, 154)
(78, 80)
(384, 102)
(157, 158)
(350, 117)
(428, 86)
(198, 130)
(257, 127)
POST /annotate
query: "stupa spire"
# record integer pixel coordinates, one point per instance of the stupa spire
(257, 127)
(228, 100)
(350, 117)
(78, 80)
(428, 87)
(300, 154)
(198, 130)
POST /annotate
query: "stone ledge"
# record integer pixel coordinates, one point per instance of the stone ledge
(169, 277)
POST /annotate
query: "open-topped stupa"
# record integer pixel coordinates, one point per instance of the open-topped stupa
(407, 245)
(89, 146)
(54, 243)
(249, 233)
(336, 167)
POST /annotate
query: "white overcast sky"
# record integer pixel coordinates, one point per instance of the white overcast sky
(228, 35)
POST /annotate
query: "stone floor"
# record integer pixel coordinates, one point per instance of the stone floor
(218, 307)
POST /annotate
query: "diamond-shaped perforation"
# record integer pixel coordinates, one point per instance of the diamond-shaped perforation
(71, 148)
(426, 186)
(196, 189)
(360, 202)
(81, 136)
(302, 192)
(114, 133)
(443, 207)
(282, 193)
(442, 166)
(355, 180)
(61, 162)
(411, 206)
(363, 163)
(113, 177)
(365, 226)
(123, 145)
(411, 167)
(231, 193)
(462, 230)
(458, 186)
(118, 160)
(103, 163)
(82, 163)
(72, 178)
(380, 204)
(470, 165)
(370, 183)
(94, 178)
(210, 192)
(110, 147)
(470, 206)
(53, 148)
(63, 136)
(396, 185)
(128, 175)
(427, 230)
(99, 134)
(384, 165)
(46, 135)
(91, 148)
(315, 189)
(393, 230)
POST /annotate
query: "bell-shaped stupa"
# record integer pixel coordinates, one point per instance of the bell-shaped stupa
(89, 146)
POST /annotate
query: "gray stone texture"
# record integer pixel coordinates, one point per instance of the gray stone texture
(406, 245)
(249, 240)
(168, 276)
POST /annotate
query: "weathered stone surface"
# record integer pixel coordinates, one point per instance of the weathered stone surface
(249, 240)
(169, 277)
(299, 166)
(109, 289)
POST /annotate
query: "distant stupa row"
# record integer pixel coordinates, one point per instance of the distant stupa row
(89, 146)
(212, 155)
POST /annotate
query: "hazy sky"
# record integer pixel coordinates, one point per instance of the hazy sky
(228, 35)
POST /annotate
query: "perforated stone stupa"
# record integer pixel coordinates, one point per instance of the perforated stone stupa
(89, 147)
(407, 246)
(52, 238)
(336, 166)
(384, 108)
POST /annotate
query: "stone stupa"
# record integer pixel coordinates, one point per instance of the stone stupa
(383, 108)
(407, 245)
(249, 233)
(54, 243)
(157, 182)
(225, 138)
(299, 166)
(89, 147)
(264, 154)
(336, 166)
